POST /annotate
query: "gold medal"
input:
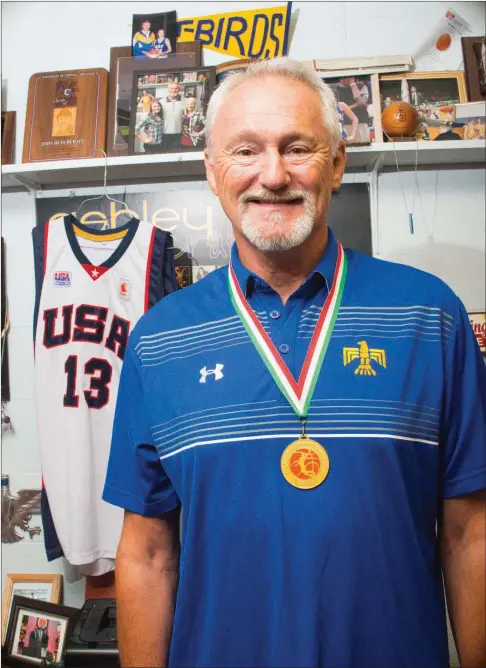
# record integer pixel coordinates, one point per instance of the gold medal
(305, 463)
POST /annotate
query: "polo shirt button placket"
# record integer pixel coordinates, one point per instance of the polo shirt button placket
(284, 348)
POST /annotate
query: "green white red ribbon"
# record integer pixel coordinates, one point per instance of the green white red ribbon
(298, 393)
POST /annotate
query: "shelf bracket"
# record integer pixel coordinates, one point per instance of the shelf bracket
(373, 181)
(34, 188)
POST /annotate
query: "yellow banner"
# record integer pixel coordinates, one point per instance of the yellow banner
(254, 33)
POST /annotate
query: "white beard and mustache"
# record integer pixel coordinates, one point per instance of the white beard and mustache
(270, 235)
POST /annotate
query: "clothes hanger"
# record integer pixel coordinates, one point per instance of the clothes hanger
(104, 194)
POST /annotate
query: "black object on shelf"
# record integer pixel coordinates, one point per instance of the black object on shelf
(93, 642)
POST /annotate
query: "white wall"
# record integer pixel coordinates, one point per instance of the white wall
(449, 206)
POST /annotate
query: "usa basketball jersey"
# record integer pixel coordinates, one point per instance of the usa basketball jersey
(91, 288)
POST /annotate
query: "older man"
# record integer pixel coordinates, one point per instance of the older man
(173, 108)
(316, 413)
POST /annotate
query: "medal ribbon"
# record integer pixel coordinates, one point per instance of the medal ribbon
(298, 393)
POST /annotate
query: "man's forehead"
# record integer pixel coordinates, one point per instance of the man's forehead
(268, 104)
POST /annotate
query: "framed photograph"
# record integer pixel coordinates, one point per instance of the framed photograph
(474, 53)
(37, 631)
(122, 66)
(8, 136)
(154, 35)
(163, 119)
(358, 106)
(47, 588)
(470, 120)
(433, 94)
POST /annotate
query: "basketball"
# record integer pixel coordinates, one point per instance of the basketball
(443, 42)
(399, 119)
(304, 464)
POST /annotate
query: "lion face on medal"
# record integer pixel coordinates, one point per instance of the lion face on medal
(304, 463)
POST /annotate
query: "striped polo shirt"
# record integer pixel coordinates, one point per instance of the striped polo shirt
(343, 575)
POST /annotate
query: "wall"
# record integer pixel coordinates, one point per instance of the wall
(449, 204)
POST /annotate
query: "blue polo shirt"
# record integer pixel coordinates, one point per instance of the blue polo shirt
(344, 575)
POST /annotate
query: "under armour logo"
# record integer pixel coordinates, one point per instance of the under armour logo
(217, 373)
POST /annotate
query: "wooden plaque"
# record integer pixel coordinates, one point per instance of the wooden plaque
(8, 136)
(66, 115)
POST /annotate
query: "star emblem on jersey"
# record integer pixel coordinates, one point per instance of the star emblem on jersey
(365, 356)
(217, 372)
(94, 272)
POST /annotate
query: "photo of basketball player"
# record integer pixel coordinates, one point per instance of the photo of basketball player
(154, 35)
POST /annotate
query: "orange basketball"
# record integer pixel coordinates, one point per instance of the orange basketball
(443, 42)
(304, 464)
(399, 119)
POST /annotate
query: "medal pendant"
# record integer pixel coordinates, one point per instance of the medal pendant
(305, 463)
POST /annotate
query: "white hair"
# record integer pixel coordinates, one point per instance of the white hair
(278, 67)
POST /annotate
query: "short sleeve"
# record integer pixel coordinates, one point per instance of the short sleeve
(463, 428)
(135, 478)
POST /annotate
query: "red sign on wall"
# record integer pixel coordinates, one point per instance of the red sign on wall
(478, 323)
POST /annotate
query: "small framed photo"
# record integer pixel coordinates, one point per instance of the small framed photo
(154, 35)
(474, 53)
(470, 120)
(358, 107)
(170, 116)
(8, 136)
(433, 94)
(37, 632)
(40, 587)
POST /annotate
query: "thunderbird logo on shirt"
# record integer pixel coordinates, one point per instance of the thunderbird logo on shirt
(365, 355)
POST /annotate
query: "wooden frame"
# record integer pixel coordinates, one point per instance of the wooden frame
(120, 94)
(434, 116)
(8, 136)
(475, 73)
(24, 648)
(13, 579)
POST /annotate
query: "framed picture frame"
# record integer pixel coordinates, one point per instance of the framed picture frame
(162, 118)
(358, 106)
(122, 65)
(433, 94)
(474, 54)
(8, 136)
(37, 631)
(42, 587)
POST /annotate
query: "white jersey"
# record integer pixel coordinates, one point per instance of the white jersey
(91, 288)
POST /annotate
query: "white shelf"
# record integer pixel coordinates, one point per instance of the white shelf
(163, 167)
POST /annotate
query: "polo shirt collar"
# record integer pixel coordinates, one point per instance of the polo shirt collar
(324, 268)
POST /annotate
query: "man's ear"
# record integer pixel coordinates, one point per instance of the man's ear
(338, 166)
(210, 172)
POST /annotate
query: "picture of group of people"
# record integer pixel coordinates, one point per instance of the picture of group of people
(354, 104)
(154, 36)
(434, 100)
(169, 113)
(38, 638)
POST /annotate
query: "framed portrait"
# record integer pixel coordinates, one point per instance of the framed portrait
(154, 36)
(163, 119)
(122, 66)
(433, 94)
(40, 587)
(37, 632)
(474, 53)
(358, 107)
(8, 136)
